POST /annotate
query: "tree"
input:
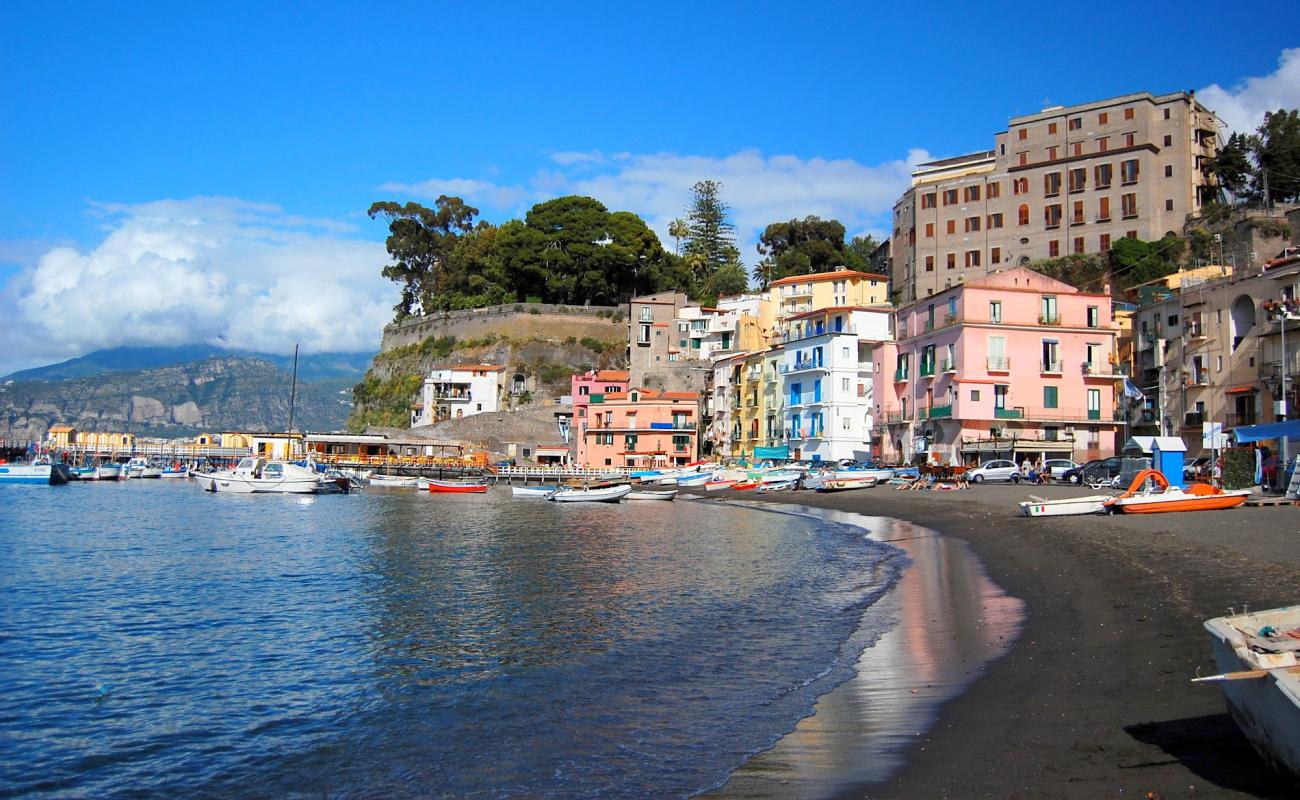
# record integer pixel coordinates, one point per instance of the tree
(859, 250)
(1134, 261)
(1232, 164)
(803, 246)
(711, 243)
(420, 241)
(678, 229)
(1277, 153)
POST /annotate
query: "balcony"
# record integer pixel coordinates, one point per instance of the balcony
(1239, 420)
(802, 366)
(1008, 413)
(927, 370)
(937, 412)
(895, 417)
(999, 364)
(950, 319)
(900, 376)
(1049, 319)
(949, 365)
(927, 326)
(1195, 330)
(1193, 419)
(1050, 366)
(1199, 378)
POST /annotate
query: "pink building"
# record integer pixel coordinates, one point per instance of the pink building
(640, 428)
(1012, 365)
(593, 383)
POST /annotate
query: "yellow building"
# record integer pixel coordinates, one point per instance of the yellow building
(67, 437)
(799, 293)
(772, 399)
(750, 413)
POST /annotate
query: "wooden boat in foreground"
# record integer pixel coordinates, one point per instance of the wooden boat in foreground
(454, 487)
(1162, 497)
(601, 494)
(1066, 507)
(1257, 655)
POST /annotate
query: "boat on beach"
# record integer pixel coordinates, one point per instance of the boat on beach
(453, 487)
(719, 483)
(1160, 497)
(836, 484)
(254, 475)
(1067, 507)
(697, 479)
(745, 485)
(1257, 656)
(597, 494)
(652, 494)
(779, 486)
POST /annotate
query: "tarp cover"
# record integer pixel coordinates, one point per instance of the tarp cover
(1273, 430)
(772, 452)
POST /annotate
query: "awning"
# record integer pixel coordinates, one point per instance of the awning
(781, 453)
(1242, 390)
(1273, 430)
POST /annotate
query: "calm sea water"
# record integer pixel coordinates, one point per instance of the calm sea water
(159, 641)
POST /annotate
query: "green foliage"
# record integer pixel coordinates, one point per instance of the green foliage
(421, 240)
(1271, 227)
(1200, 244)
(711, 245)
(1264, 166)
(801, 247)
(437, 347)
(859, 251)
(1133, 261)
(1238, 469)
(1089, 273)
(1232, 165)
(384, 402)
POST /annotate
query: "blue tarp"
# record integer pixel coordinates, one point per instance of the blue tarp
(1273, 430)
(782, 453)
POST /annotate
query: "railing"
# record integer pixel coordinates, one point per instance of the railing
(800, 366)
(927, 370)
(1201, 378)
(1195, 330)
(807, 399)
(900, 376)
(1193, 419)
(928, 326)
(1008, 413)
(949, 365)
(936, 412)
(1049, 366)
(896, 416)
(949, 319)
(1066, 414)
(999, 364)
(1049, 319)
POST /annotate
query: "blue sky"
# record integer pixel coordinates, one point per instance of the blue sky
(180, 170)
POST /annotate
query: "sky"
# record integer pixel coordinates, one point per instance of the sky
(176, 173)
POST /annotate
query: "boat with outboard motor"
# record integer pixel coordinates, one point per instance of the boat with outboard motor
(533, 491)
(454, 487)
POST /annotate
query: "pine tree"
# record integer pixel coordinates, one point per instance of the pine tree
(712, 235)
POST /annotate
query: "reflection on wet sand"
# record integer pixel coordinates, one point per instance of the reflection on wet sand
(937, 630)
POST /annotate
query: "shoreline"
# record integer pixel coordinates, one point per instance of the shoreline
(1094, 698)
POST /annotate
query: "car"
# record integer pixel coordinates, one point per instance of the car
(999, 469)
(1097, 469)
(1195, 468)
(1057, 467)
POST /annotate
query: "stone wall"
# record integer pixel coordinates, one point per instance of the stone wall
(517, 320)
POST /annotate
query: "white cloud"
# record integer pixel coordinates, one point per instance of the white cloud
(494, 195)
(1242, 106)
(210, 269)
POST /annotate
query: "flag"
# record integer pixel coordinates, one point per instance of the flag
(1132, 392)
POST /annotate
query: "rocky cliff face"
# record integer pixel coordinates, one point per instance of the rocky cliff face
(214, 394)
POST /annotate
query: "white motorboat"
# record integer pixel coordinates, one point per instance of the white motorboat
(1067, 507)
(533, 491)
(84, 473)
(257, 475)
(651, 494)
(602, 494)
(139, 467)
(1257, 656)
(394, 481)
(111, 471)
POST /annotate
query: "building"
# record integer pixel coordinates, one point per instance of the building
(593, 383)
(67, 437)
(641, 429)
(827, 372)
(839, 288)
(651, 322)
(1067, 180)
(1014, 363)
(459, 391)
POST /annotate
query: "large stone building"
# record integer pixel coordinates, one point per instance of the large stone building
(1067, 180)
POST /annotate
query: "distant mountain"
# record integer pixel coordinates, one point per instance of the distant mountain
(314, 367)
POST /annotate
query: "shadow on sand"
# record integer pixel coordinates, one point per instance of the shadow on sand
(1213, 747)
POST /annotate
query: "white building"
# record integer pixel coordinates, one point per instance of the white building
(459, 391)
(827, 370)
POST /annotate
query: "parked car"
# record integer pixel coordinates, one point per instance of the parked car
(1057, 467)
(1097, 469)
(997, 470)
(1195, 468)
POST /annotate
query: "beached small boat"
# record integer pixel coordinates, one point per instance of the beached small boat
(745, 485)
(1162, 497)
(38, 473)
(837, 484)
(1070, 506)
(779, 486)
(720, 483)
(652, 494)
(696, 479)
(1257, 657)
(453, 487)
(394, 481)
(600, 494)
(532, 491)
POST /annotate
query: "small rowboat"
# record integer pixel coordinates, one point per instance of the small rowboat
(533, 491)
(777, 486)
(1038, 507)
(650, 494)
(742, 485)
(713, 486)
(698, 479)
(1162, 497)
(393, 481)
(603, 494)
(846, 484)
(454, 487)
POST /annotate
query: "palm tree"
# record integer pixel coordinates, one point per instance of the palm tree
(678, 229)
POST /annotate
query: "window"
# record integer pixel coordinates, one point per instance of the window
(927, 200)
(1128, 171)
(1101, 176)
(995, 311)
(1022, 134)
(1104, 244)
(929, 263)
(1169, 170)
(929, 230)
(1130, 139)
(995, 220)
(647, 314)
(1128, 205)
(1166, 113)
(1076, 213)
(846, 423)
(1094, 316)
(1078, 179)
(1024, 159)
(951, 226)
(1047, 310)
(1103, 118)
(952, 261)
(972, 258)
(1052, 153)
(1051, 128)
(1169, 140)
(1052, 184)
(1128, 113)
(1000, 392)
(1094, 404)
(1049, 397)
(1103, 144)
(1078, 245)
(629, 442)
(1076, 149)
(1020, 186)
(1130, 234)
(1024, 214)
(995, 254)
(972, 224)
(643, 337)
(1103, 209)
(844, 384)
(950, 197)
(1052, 215)
(995, 190)
(1053, 249)
(975, 395)
(1169, 205)
(1076, 123)
(972, 193)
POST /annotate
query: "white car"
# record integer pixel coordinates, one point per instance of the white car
(1058, 466)
(997, 470)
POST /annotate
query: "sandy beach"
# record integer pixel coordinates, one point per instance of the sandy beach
(1094, 699)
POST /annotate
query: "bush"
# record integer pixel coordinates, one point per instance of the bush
(1238, 469)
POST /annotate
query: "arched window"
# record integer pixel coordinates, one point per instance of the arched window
(1024, 214)
(1243, 319)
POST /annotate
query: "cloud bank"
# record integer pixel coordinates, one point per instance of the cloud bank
(209, 269)
(1242, 106)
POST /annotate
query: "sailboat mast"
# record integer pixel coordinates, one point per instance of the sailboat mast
(293, 388)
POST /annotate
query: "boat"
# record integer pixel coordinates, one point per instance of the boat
(779, 486)
(745, 485)
(84, 473)
(532, 491)
(394, 481)
(39, 473)
(696, 479)
(1070, 506)
(719, 483)
(254, 474)
(599, 494)
(111, 471)
(1161, 497)
(651, 494)
(1257, 656)
(174, 471)
(835, 484)
(139, 467)
(452, 487)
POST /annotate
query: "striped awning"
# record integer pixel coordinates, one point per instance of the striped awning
(1246, 389)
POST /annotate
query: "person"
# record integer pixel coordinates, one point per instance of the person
(1024, 467)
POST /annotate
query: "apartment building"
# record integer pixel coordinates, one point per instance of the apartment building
(1067, 180)
(641, 429)
(1013, 363)
(840, 288)
(582, 388)
(459, 391)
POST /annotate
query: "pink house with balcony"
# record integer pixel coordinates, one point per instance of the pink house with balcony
(593, 383)
(1013, 365)
(641, 429)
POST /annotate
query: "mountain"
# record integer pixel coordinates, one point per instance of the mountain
(211, 394)
(314, 367)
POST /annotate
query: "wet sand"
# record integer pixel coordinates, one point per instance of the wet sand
(1093, 699)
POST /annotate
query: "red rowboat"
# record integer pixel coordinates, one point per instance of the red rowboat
(454, 487)
(745, 485)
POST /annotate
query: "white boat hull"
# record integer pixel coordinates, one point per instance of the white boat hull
(648, 494)
(111, 472)
(1073, 506)
(395, 481)
(607, 494)
(532, 491)
(257, 476)
(695, 480)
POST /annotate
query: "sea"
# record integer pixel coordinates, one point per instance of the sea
(159, 641)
